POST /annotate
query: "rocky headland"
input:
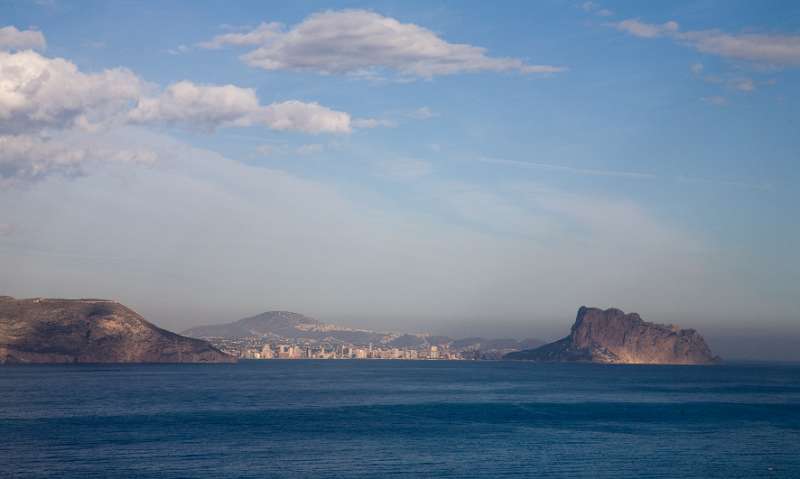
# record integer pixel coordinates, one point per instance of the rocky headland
(91, 331)
(613, 337)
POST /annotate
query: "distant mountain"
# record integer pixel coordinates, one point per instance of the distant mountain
(90, 331)
(289, 326)
(611, 336)
(285, 325)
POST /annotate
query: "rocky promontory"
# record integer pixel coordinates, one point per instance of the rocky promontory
(91, 331)
(613, 337)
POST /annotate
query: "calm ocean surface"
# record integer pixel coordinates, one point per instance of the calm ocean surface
(399, 418)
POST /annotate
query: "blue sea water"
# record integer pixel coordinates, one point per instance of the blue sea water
(261, 419)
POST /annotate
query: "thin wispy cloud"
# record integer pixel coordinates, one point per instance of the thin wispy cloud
(737, 184)
(567, 169)
(423, 113)
(596, 9)
(403, 168)
(715, 100)
(781, 50)
(625, 174)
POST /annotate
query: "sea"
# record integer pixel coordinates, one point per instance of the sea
(421, 419)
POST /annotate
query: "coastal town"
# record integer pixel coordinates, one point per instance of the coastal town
(262, 348)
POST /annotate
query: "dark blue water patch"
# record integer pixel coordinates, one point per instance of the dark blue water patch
(422, 418)
(399, 419)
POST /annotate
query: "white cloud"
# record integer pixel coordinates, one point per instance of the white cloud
(39, 92)
(210, 106)
(769, 49)
(697, 68)
(423, 113)
(306, 117)
(179, 50)
(646, 30)
(261, 34)
(360, 42)
(593, 7)
(283, 149)
(43, 100)
(403, 168)
(27, 158)
(13, 39)
(781, 50)
(202, 105)
(373, 123)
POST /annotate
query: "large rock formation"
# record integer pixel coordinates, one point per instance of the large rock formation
(90, 331)
(611, 336)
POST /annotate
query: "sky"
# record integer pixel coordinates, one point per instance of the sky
(452, 167)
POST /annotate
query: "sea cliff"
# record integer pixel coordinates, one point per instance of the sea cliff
(611, 336)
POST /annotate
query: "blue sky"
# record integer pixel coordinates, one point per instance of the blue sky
(405, 164)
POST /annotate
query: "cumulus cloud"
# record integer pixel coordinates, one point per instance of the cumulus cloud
(361, 42)
(209, 107)
(28, 158)
(44, 99)
(39, 92)
(206, 106)
(13, 39)
(770, 49)
(306, 117)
